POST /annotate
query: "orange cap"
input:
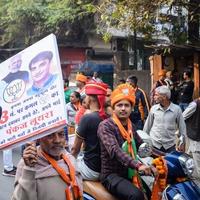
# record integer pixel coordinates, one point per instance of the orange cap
(123, 92)
(81, 77)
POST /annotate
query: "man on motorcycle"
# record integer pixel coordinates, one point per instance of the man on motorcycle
(113, 133)
(89, 165)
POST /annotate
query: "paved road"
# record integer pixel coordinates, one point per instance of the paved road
(6, 183)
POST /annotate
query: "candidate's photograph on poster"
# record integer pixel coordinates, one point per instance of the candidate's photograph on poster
(32, 97)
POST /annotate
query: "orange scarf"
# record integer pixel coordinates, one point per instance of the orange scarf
(69, 180)
(128, 136)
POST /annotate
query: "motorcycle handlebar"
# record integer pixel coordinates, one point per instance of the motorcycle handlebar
(157, 153)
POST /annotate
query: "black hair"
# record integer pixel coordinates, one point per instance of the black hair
(77, 95)
(133, 79)
(188, 73)
(122, 80)
(82, 99)
(41, 56)
(66, 82)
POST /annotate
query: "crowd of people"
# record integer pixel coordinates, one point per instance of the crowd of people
(105, 124)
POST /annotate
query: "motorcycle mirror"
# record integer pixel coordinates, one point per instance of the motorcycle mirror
(145, 150)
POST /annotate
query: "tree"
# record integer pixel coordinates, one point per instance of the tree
(146, 17)
(23, 22)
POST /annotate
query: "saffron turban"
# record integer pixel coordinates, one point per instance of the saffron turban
(123, 92)
(81, 77)
(99, 89)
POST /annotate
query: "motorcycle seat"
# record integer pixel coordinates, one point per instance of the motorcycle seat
(97, 190)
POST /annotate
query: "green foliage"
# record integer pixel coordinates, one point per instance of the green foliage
(143, 16)
(23, 21)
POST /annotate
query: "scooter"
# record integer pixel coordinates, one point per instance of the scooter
(173, 181)
(177, 181)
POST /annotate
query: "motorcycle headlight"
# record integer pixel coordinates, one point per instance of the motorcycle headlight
(187, 164)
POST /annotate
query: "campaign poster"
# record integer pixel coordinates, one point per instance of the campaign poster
(31, 94)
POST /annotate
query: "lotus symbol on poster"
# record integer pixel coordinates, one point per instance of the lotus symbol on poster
(14, 91)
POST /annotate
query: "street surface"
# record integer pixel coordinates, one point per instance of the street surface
(6, 183)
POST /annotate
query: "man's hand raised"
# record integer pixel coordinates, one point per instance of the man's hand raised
(30, 154)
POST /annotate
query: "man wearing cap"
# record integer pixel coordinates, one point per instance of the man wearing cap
(39, 67)
(89, 165)
(81, 80)
(119, 142)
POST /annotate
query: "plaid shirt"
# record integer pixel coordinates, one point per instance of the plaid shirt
(113, 158)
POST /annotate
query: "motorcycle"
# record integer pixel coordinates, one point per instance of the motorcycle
(173, 181)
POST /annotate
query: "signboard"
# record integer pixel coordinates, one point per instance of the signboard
(31, 94)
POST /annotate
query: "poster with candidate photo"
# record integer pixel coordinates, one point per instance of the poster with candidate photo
(31, 94)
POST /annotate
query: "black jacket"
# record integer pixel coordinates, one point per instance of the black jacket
(193, 124)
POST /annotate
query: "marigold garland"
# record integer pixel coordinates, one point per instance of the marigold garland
(161, 179)
(162, 171)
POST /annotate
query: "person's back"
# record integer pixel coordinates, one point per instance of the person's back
(90, 122)
(89, 165)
